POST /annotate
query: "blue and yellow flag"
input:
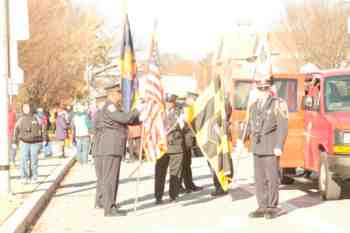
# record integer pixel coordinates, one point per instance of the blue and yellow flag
(128, 68)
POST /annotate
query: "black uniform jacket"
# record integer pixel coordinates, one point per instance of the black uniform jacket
(114, 130)
(268, 126)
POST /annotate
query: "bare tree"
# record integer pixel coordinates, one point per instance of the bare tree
(318, 29)
(63, 40)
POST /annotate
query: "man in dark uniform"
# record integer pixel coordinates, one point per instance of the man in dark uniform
(267, 128)
(97, 127)
(112, 146)
(189, 143)
(174, 155)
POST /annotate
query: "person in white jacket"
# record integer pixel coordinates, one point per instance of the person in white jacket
(81, 124)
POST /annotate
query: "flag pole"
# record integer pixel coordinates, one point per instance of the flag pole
(138, 169)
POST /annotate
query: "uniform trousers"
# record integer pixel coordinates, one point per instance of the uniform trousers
(110, 180)
(99, 185)
(186, 175)
(174, 162)
(267, 180)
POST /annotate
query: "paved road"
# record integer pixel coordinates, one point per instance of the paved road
(20, 191)
(71, 210)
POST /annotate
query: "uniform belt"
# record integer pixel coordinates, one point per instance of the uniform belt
(259, 135)
(263, 156)
(4, 167)
(273, 129)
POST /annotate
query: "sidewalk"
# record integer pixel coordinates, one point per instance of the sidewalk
(20, 192)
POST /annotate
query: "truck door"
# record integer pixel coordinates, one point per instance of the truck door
(311, 125)
(289, 89)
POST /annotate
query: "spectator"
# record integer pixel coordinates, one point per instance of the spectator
(69, 114)
(30, 135)
(69, 118)
(11, 128)
(52, 119)
(81, 126)
(61, 130)
(44, 121)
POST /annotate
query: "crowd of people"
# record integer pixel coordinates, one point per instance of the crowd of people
(34, 131)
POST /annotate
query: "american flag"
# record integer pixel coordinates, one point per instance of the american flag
(154, 133)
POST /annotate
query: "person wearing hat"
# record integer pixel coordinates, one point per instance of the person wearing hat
(267, 128)
(96, 131)
(174, 124)
(189, 143)
(112, 145)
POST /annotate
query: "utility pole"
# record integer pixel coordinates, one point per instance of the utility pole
(5, 187)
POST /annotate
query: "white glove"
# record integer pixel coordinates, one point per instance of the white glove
(277, 151)
(14, 146)
(239, 147)
(142, 116)
(140, 107)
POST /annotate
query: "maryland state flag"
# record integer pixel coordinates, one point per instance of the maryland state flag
(128, 68)
(207, 117)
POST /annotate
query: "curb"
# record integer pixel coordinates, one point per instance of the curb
(32, 207)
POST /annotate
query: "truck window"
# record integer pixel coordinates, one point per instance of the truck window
(286, 89)
(241, 94)
(337, 94)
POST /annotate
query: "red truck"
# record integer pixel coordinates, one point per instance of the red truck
(327, 129)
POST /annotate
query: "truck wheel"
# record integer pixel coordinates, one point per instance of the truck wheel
(329, 189)
(285, 179)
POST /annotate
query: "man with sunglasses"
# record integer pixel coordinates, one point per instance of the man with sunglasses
(267, 129)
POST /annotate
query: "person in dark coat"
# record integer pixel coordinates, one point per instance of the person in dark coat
(267, 129)
(189, 143)
(97, 127)
(29, 134)
(112, 146)
(174, 155)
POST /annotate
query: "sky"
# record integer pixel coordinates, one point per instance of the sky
(190, 28)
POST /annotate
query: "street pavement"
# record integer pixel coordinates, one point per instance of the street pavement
(72, 207)
(21, 191)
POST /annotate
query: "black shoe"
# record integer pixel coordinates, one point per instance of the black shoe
(259, 213)
(159, 201)
(196, 188)
(182, 190)
(188, 190)
(217, 193)
(272, 213)
(114, 212)
(173, 200)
